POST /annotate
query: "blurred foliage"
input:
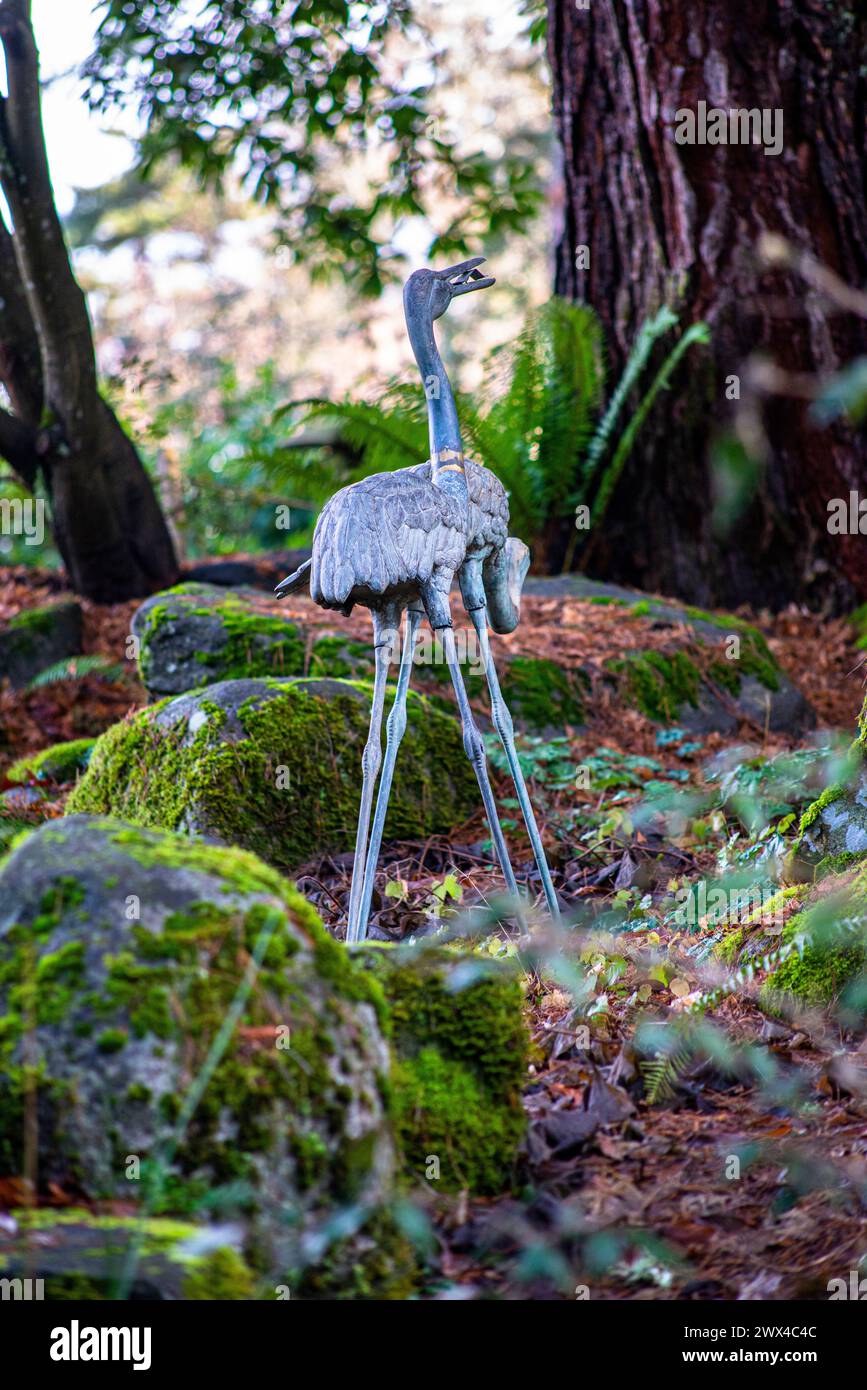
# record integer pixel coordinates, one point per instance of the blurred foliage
(283, 94)
(535, 420)
(231, 478)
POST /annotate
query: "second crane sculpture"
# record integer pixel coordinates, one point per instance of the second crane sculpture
(395, 542)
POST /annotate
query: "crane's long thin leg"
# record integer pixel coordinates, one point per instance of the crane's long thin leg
(370, 762)
(506, 729)
(395, 726)
(475, 751)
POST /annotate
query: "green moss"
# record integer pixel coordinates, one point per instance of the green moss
(817, 976)
(60, 763)
(388, 1271)
(443, 1113)
(727, 950)
(221, 1277)
(340, 657)
(460, 1047)
(153, 775)
(661, 683)
(541, 694)
(176, 985)
(32, 620)
(250, 643)
(755, 659)
(657, 684)
(809, 819)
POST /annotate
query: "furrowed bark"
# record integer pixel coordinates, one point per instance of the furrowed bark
(680, 223)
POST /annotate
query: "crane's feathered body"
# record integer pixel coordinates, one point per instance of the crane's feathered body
(386, 535)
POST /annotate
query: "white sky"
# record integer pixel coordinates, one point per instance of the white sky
(82, 151)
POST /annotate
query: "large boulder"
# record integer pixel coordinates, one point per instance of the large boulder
(198, 634)
(274, 767)
(37, 638)
(195, 634)
(177, 1011)
(704, 672)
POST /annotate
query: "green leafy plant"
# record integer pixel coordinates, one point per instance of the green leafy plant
(662, 1073)
(282, 96)
(535, 419)
(75, 668)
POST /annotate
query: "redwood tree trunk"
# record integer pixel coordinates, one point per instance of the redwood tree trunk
(665, 221)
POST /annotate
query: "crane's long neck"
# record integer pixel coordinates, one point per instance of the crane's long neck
(447, 450)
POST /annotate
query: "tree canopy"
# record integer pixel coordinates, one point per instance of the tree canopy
(288, 97)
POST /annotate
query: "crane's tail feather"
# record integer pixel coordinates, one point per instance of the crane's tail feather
(294, 581)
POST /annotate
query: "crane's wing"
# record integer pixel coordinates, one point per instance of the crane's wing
(385, 532)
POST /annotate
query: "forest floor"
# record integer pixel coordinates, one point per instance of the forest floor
(615, 1194)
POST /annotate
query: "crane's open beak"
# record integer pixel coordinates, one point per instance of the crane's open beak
(464, 278)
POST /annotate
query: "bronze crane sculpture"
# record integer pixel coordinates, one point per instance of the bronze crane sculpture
(394, 542)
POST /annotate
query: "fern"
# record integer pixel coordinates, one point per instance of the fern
(648, 335)
(662, 1075)
(74, 668)
(534, 421)
(745, 974)
(698, 333)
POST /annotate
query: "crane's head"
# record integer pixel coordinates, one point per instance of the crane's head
(428, 293)
(504, 574)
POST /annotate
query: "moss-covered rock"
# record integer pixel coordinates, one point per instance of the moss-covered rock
(460, 1044)
(274, 767)
(81, 1256)
(276, 1111)
(62, 762)
(711, 670)
(38, 637)
(816, 976)
(832, 833)
(820, 930)
(541, 695)
(196, 634)
(701, 689)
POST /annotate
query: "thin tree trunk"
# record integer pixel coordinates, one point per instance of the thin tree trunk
(680, 223)
(106, 519)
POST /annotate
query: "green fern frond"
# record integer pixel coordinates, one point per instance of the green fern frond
(698, 333)
(739, 979)
(389, 434)
(74, 668)
(648, 335)
(662, 1075)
